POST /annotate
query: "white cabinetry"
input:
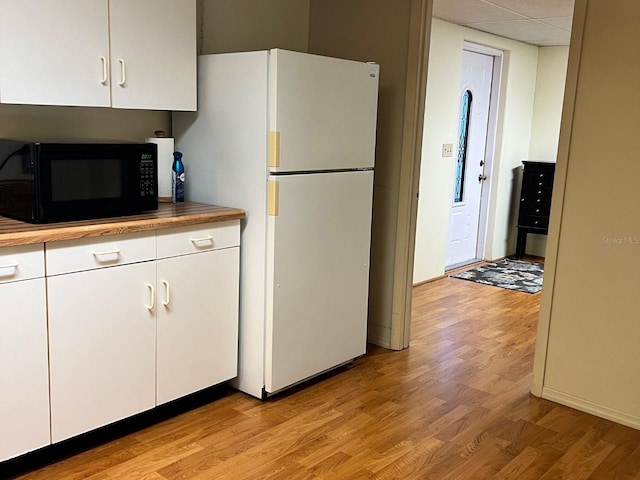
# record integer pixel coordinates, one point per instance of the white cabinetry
(120, 53)
(197, 308)
(49, 57)
(153, 54)
(101, 331)
(24, 381)
(128, 332)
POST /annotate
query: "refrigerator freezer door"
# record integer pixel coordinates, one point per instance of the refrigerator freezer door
(317, 273)
(322, 112)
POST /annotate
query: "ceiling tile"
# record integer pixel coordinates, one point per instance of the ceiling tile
(464, 11)
(562, 22)
(539, 8)
(539, 22)
(528, 31)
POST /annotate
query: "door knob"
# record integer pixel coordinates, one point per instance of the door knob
(481, 177)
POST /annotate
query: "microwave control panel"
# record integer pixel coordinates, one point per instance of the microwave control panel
(147, 178)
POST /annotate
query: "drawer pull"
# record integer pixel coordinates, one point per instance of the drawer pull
(13, 266)
(208, 238)
(152, 297)
(115, 251)
(167, 298)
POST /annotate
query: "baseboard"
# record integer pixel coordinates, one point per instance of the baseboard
(379, 335)
(424, 282)
(592, 408)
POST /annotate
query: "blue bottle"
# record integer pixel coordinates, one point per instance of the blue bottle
(177, 178)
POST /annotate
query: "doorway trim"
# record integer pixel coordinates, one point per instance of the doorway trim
(407, 212)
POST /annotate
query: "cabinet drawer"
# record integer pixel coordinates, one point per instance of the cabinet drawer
(537, 196)
(21, 263)
(534, 221)
(535, 211)
(90, 253)
(198, 238)
(539, 178)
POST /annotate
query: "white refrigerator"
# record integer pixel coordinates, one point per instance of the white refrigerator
(290, 138)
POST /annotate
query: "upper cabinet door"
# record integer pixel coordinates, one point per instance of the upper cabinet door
(54, 52)
(153, 54)
(322, 112)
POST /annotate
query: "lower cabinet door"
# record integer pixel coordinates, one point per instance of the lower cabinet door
(197, 322)
(24, 379)
(102, 346)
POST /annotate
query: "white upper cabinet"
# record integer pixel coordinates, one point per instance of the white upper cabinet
(137, 54)
(54, 52)
(153, 54)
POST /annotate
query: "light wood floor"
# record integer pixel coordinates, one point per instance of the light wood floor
(455, 405)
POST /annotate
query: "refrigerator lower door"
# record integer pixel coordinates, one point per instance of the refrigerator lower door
(318, 243)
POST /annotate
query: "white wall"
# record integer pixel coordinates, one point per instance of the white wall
(547, 110)
(587, 354)
(440, 126)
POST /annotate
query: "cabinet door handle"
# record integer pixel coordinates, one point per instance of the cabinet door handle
(208, 238)
(152, 297)
(114, 251)
(123, 72)
(167, 292)
(104, 70)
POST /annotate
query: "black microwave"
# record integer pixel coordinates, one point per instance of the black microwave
(44, 182)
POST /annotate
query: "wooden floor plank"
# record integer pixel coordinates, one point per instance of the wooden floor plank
(454, 406)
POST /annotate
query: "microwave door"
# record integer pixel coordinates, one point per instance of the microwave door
(97, 181)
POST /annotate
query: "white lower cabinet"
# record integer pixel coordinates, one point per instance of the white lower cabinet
(197, 307)
(24, 378)
(137, 320)
(197, 312)
(102, 347)
(119, 324)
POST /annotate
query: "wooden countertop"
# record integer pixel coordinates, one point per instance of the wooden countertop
(168, 215)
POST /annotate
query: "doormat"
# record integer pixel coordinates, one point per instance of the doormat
(512, 274)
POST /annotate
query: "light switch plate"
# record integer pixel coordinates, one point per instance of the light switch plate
(447, 149)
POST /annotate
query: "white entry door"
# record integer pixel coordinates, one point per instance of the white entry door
(469, 159)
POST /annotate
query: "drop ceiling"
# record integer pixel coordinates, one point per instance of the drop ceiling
(537, 22)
